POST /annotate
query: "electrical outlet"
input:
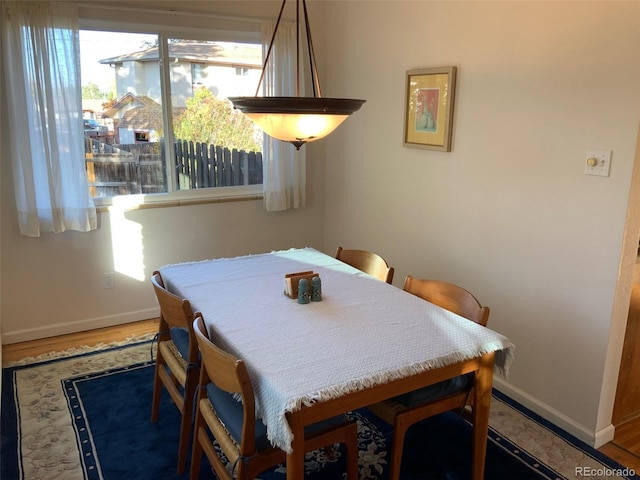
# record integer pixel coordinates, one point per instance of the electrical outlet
(109, 280)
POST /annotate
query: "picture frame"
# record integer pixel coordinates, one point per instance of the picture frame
(429, 101)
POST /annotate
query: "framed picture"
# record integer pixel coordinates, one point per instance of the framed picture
(428, 118)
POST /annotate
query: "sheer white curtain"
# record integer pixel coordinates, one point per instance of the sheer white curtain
(42, 71)
(284, 167)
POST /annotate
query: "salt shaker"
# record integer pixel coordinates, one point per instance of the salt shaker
(316, 289)
(303, 291)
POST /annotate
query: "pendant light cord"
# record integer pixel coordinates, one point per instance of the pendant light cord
(266, 59)
(312, 57)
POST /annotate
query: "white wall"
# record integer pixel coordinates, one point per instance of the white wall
(509, 213)
(53, 284)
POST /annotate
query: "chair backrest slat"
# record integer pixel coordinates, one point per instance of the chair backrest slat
(368, 262)
(226, 371)
(450, 297)
(175, 312)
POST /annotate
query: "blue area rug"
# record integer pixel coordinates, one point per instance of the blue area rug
(88, 416)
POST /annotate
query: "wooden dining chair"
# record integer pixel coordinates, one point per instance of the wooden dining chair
(233, 423)
(368, 262)
(177, 363)
(453, 394)
(450, 297)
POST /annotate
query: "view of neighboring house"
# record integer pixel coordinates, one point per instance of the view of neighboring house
(135, 119)
(225, 69)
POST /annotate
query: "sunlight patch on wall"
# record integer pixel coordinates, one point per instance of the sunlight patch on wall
(126, 239)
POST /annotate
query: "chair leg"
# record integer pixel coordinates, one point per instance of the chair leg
(196, 454)
(352, 453)
(397, 444)
(157, 388)
(183, 444)
(187, 421)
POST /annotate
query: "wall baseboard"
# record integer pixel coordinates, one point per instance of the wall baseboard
(64, 328)
(593, 438)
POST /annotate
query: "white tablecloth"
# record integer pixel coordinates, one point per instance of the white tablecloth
(364, 332)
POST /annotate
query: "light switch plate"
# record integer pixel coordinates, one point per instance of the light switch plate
(601, 166)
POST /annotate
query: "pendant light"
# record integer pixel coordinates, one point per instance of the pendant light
(297, 120)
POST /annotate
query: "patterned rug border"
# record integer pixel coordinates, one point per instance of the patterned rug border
(525, 457)
(595, 464)
(564, 435)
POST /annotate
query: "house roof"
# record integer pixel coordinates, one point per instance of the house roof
(211, 53)
(129, 98)
(144, 114)
(142, 118)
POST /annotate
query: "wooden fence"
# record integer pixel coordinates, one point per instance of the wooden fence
(140, 168)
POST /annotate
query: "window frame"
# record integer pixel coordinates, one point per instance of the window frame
(174, 25)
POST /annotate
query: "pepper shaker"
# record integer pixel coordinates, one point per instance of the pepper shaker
(303, 291)
(316, 289)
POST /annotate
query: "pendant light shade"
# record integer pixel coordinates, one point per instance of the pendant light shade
(297, 120)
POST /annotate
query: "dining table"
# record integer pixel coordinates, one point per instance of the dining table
(364, 342)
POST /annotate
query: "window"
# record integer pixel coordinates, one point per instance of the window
(198, 73)
(160, 101)
(50, 177)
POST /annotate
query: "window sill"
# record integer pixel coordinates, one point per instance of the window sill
(178, 199)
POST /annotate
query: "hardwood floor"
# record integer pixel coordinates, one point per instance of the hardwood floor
(625, 449)
(627, 404)
(18, 351)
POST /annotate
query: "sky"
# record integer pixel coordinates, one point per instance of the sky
(95, 46)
